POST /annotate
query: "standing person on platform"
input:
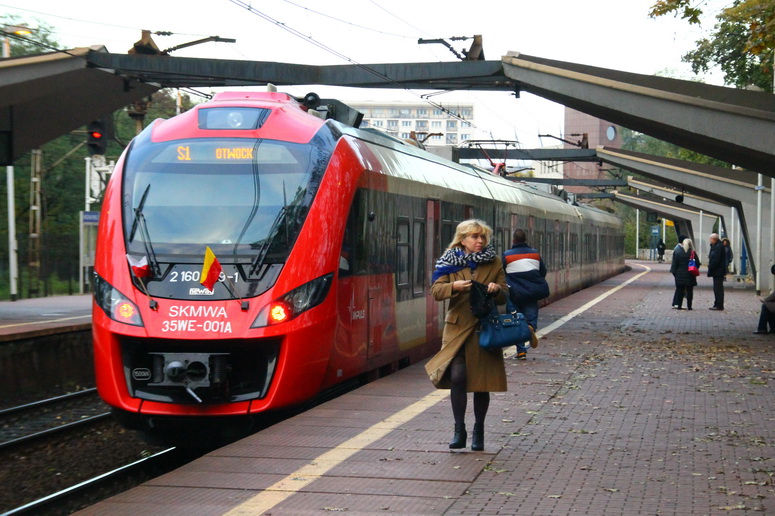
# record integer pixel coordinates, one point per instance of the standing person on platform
(681, 239)
(767, 312)
(717, 269)
(661, 251)
(461, 365)
(728, 255)
(526, 277)
(684, 281)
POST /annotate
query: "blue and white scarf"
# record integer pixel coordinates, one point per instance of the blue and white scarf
(454, 260)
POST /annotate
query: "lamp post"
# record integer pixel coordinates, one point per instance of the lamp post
(13, 264)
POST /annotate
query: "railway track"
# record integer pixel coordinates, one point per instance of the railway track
(25, 423)
(49, 447)
(107, 484)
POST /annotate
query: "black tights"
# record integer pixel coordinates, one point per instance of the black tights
(459, 396)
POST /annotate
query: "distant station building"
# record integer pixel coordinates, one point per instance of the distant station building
(548, 169)
(433, 127)
(587, 132)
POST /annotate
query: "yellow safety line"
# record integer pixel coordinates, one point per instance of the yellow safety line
(290, 485)
(300, 478)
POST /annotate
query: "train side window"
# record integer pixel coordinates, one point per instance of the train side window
(352, 258)
(500, 241)
(447, 234)
(418, 257)
(402, 254)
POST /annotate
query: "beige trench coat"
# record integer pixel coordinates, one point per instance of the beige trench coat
(485, 371)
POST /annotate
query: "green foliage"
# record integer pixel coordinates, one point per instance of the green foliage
(742, 43)
(683, 7)
(639, 142)
(40, 41)
(62, 198)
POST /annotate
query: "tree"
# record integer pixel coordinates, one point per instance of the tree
(40, 41)
(742, 43)
(62, 181)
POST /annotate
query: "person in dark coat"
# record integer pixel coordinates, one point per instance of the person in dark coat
(717, 269)
(684, 280)
(728, 254)
(526, 277)
(767, 312)
(661, 251)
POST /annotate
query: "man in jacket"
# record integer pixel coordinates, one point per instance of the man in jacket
(525, 276)
(717, 269)
(767, 312)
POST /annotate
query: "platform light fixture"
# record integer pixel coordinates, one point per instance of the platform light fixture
(18, 30)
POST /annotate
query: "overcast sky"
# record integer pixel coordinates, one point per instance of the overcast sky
(615, 34)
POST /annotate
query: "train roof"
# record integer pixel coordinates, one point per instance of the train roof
(301, 119)
(476, 180)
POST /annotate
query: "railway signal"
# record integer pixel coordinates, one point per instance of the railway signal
(97, 135)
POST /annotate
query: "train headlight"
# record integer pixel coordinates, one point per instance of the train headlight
(295, 302)
(115, 304)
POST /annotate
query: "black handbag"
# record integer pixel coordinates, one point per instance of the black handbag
(482, 302)
(503, 330)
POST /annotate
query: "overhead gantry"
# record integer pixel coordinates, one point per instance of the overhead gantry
(729, 124)
(42, 97)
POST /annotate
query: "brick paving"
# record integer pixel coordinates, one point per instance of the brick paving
(644, 410)
(629, 408)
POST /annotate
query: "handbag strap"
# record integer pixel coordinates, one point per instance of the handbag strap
(510, 306)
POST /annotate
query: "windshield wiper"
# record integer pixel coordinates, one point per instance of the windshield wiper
(258, 261)
(140, 222)
(138, 211)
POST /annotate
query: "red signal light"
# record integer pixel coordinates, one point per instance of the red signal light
(98, 133)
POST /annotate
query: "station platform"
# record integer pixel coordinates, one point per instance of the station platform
(626, 407)
(29, 318)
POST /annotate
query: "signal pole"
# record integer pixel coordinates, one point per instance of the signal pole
(33, 246)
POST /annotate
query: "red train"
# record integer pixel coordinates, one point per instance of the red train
(326, 235)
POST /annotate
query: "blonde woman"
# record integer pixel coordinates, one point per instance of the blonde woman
(461, 365)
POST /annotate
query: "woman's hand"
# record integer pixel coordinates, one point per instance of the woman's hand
(461, 285)
(492, 288)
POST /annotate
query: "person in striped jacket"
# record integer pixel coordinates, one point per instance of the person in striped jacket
(526, 277)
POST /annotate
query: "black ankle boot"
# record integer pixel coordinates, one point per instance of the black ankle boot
(459, 439)
(477, 440)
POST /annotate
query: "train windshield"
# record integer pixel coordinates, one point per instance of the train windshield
(241, 197)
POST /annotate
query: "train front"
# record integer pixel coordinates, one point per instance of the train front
(240, 176)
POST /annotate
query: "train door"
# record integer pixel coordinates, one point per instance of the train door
(381, 285)
(563, 269)
(352, 293)
(596, 252)
(432, 251)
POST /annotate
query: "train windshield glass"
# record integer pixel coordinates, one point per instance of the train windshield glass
(239, 196)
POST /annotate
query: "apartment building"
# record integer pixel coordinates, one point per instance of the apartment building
(432, 126)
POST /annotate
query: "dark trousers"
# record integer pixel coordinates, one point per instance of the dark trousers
(766, 318)
(718, 291)
(530, 311)
(678, 297)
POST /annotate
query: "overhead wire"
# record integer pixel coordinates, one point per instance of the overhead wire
(101, 23)
(245, 5)
(29, 40)
(344, 21)
(397, 17)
